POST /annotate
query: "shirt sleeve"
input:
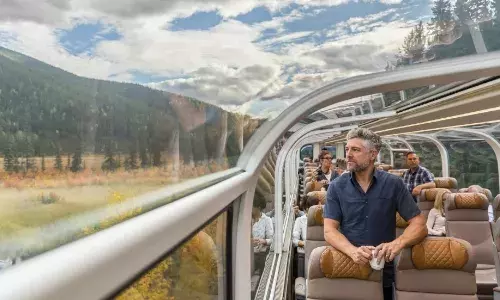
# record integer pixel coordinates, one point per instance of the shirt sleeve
(269, 231)
(405, 205)
(296, 233)
(332, 206)
(427, 176)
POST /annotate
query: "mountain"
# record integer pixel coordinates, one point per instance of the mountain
(46, 111)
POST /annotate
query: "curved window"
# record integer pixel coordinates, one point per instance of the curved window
(430, 157)
(385, 154)
(196, 270)
(306, 151)
(473, 162)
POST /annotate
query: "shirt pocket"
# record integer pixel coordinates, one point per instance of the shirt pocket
(354, 211)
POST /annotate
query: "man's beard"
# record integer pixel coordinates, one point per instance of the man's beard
(358, 167)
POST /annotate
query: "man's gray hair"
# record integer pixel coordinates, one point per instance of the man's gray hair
(372, 138)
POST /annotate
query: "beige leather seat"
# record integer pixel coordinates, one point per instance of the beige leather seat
(427, 198)
(315, 237)
(496, 207)
(401, 225)
(334, 276)
(312, 186)
(385, 167)
(397, 172)
(439, 268)
(467, 219)
(320, 194)
(446, 183)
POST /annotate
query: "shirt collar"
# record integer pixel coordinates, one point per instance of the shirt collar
(416, 170)
(376, 175)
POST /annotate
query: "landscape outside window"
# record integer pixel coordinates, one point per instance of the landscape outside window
(104, 101)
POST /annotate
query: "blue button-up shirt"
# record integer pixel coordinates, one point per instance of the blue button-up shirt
(369, 219)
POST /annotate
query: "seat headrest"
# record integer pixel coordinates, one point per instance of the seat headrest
(397, 172)
(446, 182)
(430, 194)
(496, 233)
(320, 194)
(315, 216)
(466, 201)
(385, 167)
(443, 253)
(496, 204)
(400, 222)
(328, 262)
(312, 186)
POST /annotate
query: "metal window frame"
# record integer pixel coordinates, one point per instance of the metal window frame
(445, 165)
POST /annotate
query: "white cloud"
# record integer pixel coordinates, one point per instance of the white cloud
(223, 65)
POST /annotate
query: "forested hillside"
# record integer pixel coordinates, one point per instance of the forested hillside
(45, 111)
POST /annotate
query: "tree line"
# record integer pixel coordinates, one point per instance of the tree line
(45, 111)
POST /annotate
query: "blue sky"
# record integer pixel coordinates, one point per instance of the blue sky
(227, 52)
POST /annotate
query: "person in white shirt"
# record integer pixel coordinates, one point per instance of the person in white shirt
(436, 221)
(300, 226)
(262, 226)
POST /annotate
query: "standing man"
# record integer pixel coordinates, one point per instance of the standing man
(361, 206)
(417, 177)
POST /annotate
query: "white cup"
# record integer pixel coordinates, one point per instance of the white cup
(373, 263)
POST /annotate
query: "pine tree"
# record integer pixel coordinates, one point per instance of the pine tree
(131, 162)
(413, 48)
(144, 158)
(58, 161)
(43, 164)
(442, 25)
(76, 162)
(109, 164)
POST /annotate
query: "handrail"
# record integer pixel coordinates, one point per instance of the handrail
(97, 265)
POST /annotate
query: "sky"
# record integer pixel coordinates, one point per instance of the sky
(252, 56)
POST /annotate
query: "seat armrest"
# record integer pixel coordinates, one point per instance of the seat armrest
(300, 286)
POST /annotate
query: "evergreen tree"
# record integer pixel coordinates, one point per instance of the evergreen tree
(58, 161)
(144, 158)
(414, 46)
(131, 162)
(442, 25)
(109, 164)
(68, 161)
(76, 162)
(43, 164)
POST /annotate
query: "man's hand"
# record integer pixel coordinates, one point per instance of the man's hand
(388, 251)
(416, 191)
(362, 255)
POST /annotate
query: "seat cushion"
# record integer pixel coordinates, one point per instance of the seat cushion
(401, 295)
(344, 289)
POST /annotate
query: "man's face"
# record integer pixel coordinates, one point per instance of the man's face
(358, 155)
(327, 161)
(412, 160)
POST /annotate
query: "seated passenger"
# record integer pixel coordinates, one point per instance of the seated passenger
(325, 174)
(417, 177)
(300, 226)
(360, 210)
(262, 231)
(436, 219)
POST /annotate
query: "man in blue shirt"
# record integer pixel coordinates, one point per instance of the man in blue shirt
(361, 206)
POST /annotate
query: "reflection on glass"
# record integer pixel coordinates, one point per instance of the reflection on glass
(196, 270)
(430, 157)
(70, 145)
(263, 222)
(473, 163)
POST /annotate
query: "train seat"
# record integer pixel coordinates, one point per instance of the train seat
(334, 276)
(427, 198)
(315, 238)
(401, 225)
(467, 219)
(439, 268)
(496, 207)
(446, 183)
